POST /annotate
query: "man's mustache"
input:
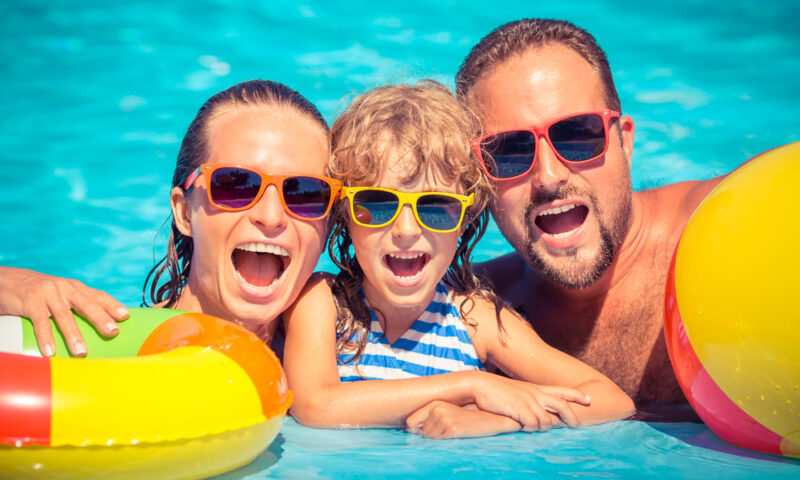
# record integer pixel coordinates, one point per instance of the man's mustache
(563, 192)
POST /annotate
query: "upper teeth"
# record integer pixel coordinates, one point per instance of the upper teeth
(407, 255)
(264, 248)
(556, 210)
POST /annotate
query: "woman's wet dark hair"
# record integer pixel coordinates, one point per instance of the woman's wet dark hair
(167, 278)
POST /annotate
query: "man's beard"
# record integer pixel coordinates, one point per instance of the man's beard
(575, 275)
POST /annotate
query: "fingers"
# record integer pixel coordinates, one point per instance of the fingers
(99, 308)
(446, 420)
(68, 326)
(563, 409)
(431, 421)
(416, 419)
(39, 297)
(536, 419)
(44, 332)
(540, 408)
(437, 424)
(567, 393)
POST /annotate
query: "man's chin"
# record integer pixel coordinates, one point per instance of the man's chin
(570, 275)
(576, 268)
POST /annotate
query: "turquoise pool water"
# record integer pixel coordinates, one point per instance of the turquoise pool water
(630, 450)
(97, 96)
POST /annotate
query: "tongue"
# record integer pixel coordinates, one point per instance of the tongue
(563, 222)
(405, 267)
(259, 269)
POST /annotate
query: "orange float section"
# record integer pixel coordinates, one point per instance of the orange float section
(197, 397)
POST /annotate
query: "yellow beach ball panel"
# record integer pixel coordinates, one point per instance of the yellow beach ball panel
(737, 274)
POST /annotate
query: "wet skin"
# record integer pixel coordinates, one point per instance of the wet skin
(402, 261)
(613, 322)
(244, 287)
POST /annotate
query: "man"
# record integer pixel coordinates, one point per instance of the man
(591, 256)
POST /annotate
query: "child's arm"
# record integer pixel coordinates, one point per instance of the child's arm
(525, 356)
(440, 420)
(321, 400)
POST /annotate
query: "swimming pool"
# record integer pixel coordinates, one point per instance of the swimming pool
(98, 94)
(635, 450)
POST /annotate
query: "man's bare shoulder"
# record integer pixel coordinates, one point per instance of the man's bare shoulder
(677, 199)
(664, 211)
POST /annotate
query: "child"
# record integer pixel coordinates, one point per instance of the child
(403, 333)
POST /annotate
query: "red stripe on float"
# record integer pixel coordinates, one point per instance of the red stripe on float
(25, 400)
(721, 414)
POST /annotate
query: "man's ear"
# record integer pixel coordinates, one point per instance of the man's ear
(627, 129)
(180, 211)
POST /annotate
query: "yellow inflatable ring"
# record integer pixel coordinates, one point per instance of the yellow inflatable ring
(201, 397)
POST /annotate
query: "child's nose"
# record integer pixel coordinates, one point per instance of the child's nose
(405, 225)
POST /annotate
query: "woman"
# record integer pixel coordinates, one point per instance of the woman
(241, 251)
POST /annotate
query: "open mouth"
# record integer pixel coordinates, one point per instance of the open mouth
(260, 264)
(406, 265)
(563, 219)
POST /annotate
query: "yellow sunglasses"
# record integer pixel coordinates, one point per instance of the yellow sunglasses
(377, 207)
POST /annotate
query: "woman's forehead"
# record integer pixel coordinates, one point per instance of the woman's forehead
(272, 139)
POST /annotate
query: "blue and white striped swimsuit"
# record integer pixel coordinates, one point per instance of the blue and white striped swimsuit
(436, 343)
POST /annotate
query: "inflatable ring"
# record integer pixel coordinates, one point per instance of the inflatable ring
(192, 396)
(732, 323)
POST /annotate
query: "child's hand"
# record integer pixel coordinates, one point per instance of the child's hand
(536, 408)
(440, 420)
(38, 297)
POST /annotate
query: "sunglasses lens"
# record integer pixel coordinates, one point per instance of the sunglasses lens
(508, 154)
(234, 187)
(579, 138)
(306, 197)
(374, 207)
(439, 212)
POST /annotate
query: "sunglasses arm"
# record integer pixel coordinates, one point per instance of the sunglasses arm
(191, 178)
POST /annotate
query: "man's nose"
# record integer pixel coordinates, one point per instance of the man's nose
(549, 172)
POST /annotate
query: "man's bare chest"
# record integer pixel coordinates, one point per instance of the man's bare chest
(622, 338)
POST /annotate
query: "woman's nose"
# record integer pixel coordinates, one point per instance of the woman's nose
(269, 211)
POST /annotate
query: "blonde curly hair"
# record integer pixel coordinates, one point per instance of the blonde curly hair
(431, 130)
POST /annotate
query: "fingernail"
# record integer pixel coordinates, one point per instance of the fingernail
(588, 398)
(48, 350)
(79, 348)
(122, 312)
(112, 327)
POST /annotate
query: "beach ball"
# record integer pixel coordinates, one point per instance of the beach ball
(733, 306)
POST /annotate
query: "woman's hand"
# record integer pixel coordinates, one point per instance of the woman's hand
(38, 297)
(535, 407)
(440, 420)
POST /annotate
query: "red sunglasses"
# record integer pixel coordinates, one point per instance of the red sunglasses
(232, 188)
(575, 138)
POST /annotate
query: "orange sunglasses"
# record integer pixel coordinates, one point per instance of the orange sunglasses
(233, 189)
